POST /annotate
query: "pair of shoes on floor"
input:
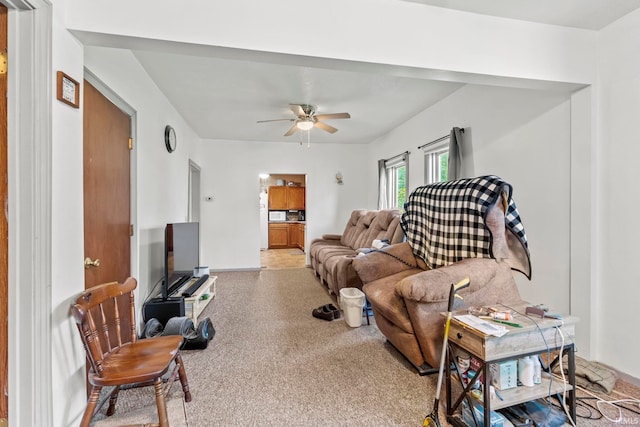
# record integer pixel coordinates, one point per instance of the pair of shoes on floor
(326, 312)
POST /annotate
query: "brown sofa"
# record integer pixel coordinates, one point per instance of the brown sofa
(331, 256)
(408, 296)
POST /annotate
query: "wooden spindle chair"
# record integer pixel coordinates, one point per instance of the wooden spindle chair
(116, 358)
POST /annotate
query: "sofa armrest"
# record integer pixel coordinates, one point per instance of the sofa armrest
(435, 285)
(379, 263)
(331, 236)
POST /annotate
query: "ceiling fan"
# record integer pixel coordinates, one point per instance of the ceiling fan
(306, 118)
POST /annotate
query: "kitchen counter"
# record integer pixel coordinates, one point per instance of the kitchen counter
(287, 222)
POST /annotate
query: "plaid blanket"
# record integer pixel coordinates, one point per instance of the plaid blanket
(445, 222)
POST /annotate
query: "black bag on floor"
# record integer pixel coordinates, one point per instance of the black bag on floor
(152, 328)
(181, 326)
(204, 334)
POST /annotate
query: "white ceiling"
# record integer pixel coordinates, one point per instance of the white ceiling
(587, 14)
(223, 98)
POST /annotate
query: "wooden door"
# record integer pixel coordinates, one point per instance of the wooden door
(4, 227)
(106, 191)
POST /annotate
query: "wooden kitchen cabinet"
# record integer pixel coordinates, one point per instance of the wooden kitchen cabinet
(278, 235)
(278, 198)
(283, 197)
(286, 235)
(295, 198)
(293, 235)
(296, 235)
(300, 235)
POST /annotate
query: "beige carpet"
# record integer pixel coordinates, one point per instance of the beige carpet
(144, 415)
(272, 364)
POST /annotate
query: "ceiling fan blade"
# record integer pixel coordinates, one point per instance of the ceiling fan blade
(297, 110)
(291, 131)
(275, 120)
(333, 116)
(325, 127)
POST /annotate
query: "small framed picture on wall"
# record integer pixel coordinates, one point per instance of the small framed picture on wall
(68, 90)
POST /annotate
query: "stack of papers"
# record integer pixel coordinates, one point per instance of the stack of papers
(488, 328)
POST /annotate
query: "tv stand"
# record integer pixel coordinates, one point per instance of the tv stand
(194, 304)
(178, 305)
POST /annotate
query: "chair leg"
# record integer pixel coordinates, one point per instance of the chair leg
(112, 401)
(91, 406)
(183, 378)
(163, 419)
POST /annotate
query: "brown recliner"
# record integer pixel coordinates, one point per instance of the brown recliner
(408, 296)
(408, 302)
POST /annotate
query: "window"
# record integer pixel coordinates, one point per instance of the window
(397, 184)
(394, 181)
(436, 161)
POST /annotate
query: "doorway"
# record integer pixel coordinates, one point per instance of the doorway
(283, 221)
(194, 192)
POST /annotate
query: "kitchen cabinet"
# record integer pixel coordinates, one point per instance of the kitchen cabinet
(296, 235)
(300, 236)
(278, 235)
(286, 235)
(277, 198)
(295, 198)
(286, 198)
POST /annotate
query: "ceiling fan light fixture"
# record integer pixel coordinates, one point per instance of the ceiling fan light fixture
(304, 124)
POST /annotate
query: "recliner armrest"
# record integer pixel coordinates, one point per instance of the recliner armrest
(331, 236)
(435, 285)
(379, 263)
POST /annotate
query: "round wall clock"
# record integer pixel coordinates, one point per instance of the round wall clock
(170, 140)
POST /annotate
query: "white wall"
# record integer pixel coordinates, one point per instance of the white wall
(524, 137)
(67, 219)
(230, 175)
(618, 199)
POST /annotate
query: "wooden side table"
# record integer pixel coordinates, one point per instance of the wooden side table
(537, 335)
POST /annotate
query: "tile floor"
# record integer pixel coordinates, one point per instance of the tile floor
(276, 259)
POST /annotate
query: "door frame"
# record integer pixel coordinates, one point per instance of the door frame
(195, 191)
(29, 211)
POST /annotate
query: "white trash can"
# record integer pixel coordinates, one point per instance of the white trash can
(352, 301)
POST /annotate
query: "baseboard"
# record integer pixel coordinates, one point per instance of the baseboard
(627, 378)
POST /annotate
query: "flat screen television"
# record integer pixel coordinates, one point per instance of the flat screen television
(181, 255)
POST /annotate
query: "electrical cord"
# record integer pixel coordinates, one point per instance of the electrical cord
(549, 363)
(614, 404)
(592, 413)
(394, 257)
(152, 291)
(600, 403)
(564, 380)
